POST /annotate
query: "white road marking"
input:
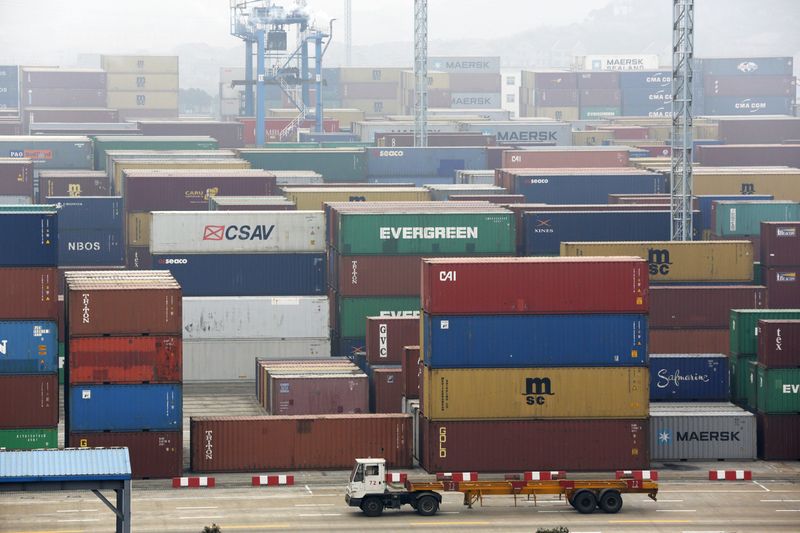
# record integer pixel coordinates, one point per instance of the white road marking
(321, 514)
(448, 512)
(762, 486)
(190, 508)
(198, 517)
(661, 501)
(555, 511)
(777, 501)
(79, 520)
(78, 511)
(314, 505)
(676, 510)
(309, 490)
(787, 510)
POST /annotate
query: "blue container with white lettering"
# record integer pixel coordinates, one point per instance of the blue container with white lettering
(246, 274)
(516, 341)
(690, 377)
(91, 247)
(125, 407)
(756, 105)
(28, 347)
(442, 161)
(88, 212)
(29, 238)
(645, 79)
(9, 87)
(591, 187)
(747, 66)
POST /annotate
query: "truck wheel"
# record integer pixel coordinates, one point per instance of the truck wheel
(427, 506)
(372, 507)
(584, 502)
(611, 501)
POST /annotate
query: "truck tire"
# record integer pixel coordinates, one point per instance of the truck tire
(610, 501)
(584, 501)
(372, 506)
(427, 506)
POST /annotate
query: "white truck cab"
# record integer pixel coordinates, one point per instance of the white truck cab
(368, 477)
(368, 490)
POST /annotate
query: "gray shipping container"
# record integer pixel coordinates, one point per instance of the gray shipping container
(523, 131)
(441, 193)
(701, 431)
(475, 177)
(479, 64)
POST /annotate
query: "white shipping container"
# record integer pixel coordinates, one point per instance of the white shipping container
(255, 317)
(523, 131)
(475, 101)
(235, 360)
(245, 232)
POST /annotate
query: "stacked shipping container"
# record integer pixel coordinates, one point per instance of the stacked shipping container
(142, 86)
(780, 263)
(747, 86)
(89, 230)
(16, 181)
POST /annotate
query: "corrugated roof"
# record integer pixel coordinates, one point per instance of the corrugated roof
(72, 464)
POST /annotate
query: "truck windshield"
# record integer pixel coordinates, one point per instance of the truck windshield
(358, 472)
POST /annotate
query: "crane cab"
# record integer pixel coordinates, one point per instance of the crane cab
(368, 477)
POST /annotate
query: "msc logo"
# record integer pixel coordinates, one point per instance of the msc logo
(543, 226)
(748, 188)
(658, 262)
(243, 233)
(747, 66)
(536, 389)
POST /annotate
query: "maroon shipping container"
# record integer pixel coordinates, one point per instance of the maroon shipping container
(779, 343)
(689, 341)
(748, 155)
(778, 437)
(556, 97)
(28, 400)
(189, 190)
(376, 275)
(749, 86)
(412, 372)
(518, 445)
(153, 454)
(461, 82)
(780, 244)
(598, 80)
(29, 293)
(16, 177)
(783, 286)
(555, 80)
(64, 98)
(515, 285)
(500, 199)
(747, 130)
(91, 115)
(601, 97)
(73, 183)
(150, 359)
(567, 157)
(386, 389)
(701, 306)
(63, 78)
(387, 338)
(62, 284)
(227, 134)
(264, 443)
(318, 394)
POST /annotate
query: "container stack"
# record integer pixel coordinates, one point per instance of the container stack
(549, 94)
(142, 86)
(780, 263)
(375, 91)
(599, 95)
(747, 85)
(28, 328)
(89, 230)
(741, 220)
(423, 165)
(55, 94)
(386, 340)
(124, 367)
(646, 93)
(473, 82)
(522, 347)
(16, 181)
(9, 88)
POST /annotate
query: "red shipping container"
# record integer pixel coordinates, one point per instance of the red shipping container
(689, 341)
(747, 130)
(566, 157)
(518, 445)
(16, 177)
(264, 443)
(386, 389)
(598, 80)
(601, 97)
(783, 286)
(28, 401)
(41, 97)
(29, 293)
(90, 115)
(274, 126)
(73, 183)
(780, 244)
(701, 306)
(54, 77)
(154, 454)
(556, 97)
(779, 343)
(387, 338)
(152, 359)
(318, 394)
(412, 372)
(778, 437)
(748, 155)
(515, 285)
(227, 134)
(376, 275)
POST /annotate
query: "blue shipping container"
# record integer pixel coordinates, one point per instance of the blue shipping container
(704, 204)
(246, 274)
(646, 97)
(645, 79)
(757, 105)
(91, 247)
(28, 347)
(348, 346)
(125, 407)
(689, 378)
(654, 110)
(88, 212)
(545, 231)
(9, 87)
(747, 66)
(440, 161)
(29, 239)
(589, 188)
(414, 181)
(502, 341)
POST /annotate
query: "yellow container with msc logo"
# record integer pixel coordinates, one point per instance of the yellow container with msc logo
(688, 262)
(521, 393)
(314, 198)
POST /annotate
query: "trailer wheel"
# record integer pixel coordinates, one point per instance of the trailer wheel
(611, 501)
(427, 506)
(372, 507)
(584, 501)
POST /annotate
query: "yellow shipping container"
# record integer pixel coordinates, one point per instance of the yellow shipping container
(369, 74)
(591, 138)
(138, 229)
(142, 82)
(783, 184)
(674, 261)
(147, 64)
(519, 393)
(558, 113)
(436, 80)
(372, 107)
(312, 199)
(122, 165)
(143, 99)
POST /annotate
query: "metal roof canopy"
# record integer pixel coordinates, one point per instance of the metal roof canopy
(92, 469)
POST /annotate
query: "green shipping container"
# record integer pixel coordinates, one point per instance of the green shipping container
(335, 164)
(744, 327)
(353, 312)
(426, 233)
(758, 275)
(102, 143)
(28, 439)
(751, 384)
(598, 113)
(745, 218)
(778, 390)
(739, 377)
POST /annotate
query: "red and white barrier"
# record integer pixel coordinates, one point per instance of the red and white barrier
(730, 475)
(396, 477)
(545, 476)
(457, 476)
(193, 482)
(641, 475)
(273, 480)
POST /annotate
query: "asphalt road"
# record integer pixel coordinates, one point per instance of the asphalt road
(683, 506)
